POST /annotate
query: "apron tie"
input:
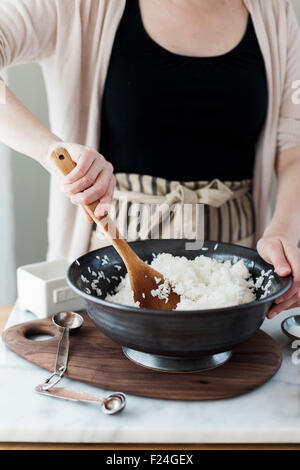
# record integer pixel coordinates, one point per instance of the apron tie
(213, 194)
(148, 207)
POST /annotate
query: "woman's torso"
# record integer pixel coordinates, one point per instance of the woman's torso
(181, 117)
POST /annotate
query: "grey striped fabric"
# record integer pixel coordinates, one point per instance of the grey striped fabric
(232, 221)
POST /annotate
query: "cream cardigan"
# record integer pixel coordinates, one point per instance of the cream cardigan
(72, 40)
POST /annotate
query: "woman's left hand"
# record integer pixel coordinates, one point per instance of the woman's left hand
(285, 257)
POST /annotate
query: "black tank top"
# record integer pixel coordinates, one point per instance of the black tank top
(182, 118)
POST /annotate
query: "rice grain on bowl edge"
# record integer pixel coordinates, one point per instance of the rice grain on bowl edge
(202, 283)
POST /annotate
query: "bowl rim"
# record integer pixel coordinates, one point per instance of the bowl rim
(139, 310)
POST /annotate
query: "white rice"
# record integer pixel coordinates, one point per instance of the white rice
(202, 283)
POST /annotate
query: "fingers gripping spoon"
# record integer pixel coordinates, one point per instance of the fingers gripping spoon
(143, 278)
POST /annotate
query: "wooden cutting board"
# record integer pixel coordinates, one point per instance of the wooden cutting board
(97, 360)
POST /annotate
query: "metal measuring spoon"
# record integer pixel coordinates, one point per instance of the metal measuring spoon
(110, 405)
(291, 327)
(64, 322)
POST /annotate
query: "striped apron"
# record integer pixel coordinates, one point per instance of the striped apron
(142, 203)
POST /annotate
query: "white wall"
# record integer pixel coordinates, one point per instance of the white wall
(296, 5)
(7, 234)
(7, 245)
(24, 190)
(30, 181)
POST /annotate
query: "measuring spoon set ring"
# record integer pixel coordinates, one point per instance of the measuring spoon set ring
(66, 322)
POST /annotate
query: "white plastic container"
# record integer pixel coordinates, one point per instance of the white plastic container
(43, 289)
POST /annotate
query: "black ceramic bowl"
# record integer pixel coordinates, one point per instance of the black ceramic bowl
(173, 340)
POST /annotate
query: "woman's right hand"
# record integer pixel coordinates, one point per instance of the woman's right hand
(91, 180)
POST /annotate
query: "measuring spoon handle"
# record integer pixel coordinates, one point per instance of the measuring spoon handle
(68, 394)
(110, 405)
(62, 352)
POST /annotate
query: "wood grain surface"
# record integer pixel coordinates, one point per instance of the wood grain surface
(95, 359)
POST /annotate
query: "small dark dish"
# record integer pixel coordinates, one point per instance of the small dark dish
(293, 320)
(174, 341)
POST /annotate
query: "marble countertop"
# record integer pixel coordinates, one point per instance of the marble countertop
(269, 414)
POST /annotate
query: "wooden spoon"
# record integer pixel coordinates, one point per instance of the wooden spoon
(143, 278)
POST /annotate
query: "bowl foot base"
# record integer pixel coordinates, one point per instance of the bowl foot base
(176, 364)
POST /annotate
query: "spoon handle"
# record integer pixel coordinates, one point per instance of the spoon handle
(62, 352)
(68, 394)
(64, 163)
(110, 405)
(61, 361)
